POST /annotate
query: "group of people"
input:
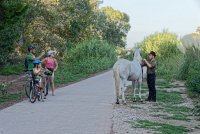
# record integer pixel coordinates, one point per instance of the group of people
(51, 65)
(35, 67)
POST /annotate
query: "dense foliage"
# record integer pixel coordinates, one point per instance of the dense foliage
(86, 58)
(169, 57)
(57, 24)
(164, 44)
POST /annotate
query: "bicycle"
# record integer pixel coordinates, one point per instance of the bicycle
(35, 92)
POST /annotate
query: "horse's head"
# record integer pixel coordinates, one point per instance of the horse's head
(137, 56)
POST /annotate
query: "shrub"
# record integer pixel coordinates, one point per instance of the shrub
(12, 69)
(169, 68)
(164, 44)
(3, 88)
(193, 77)
(86, 58)
(169, 57)
(192, 54)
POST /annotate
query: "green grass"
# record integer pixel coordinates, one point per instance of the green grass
(11, 69)
(169, 97)
(182, 117)
(161, 82)
(158, 115)
(159, 127)
(177, 109)
(11, 97)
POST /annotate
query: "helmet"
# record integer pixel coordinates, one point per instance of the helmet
(50, 52)
(36, 61)
(30, 47)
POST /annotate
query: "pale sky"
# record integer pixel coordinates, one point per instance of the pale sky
(150, 16)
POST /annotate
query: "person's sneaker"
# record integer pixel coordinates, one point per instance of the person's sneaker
(45, 97)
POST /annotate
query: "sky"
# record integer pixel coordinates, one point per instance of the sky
(149, 16)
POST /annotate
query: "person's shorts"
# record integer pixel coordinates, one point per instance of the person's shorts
(49, 72)
(37, 79)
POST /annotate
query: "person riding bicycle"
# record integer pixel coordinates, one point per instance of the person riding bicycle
(51, 65)
(38, 73)
(31, 57)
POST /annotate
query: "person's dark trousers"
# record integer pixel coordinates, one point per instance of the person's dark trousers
(151, 78)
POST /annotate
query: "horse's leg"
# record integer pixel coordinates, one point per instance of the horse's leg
(117, 93)
(123, 88)
(117, 84)
(134, 89)
(140, 88)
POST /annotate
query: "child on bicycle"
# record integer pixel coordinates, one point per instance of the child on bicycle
(51, 65)
(38, 72)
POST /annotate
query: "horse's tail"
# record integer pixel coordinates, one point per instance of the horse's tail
(117, 80)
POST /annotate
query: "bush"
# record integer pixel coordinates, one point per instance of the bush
(124, 53)
(3, 89)
(164, 44)
(193, 77)
(86, 58)
(12, 69)
(169, 57)
(169, 68)
(192, 54)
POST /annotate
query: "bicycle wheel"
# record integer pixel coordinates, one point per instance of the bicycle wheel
(39, 96)
(33, 94)
(27, 88)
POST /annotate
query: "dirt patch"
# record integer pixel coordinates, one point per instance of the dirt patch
(15, 85)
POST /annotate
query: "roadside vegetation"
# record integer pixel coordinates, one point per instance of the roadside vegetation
(83, 35)
(177, 60)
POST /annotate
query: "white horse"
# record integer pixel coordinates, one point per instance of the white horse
(124, 70)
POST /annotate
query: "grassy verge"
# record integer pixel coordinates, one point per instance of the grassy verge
(159, 127)
(11, 97)
(167, 109)
(181, 117)
(11, 69)
(169, 98)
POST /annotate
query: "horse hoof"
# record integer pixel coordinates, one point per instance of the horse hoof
(124, 103)
(117, 102)
(134, 100)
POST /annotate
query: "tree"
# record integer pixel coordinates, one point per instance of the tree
(117, 26)
(165, 44)
(56, 24)
(13, 13)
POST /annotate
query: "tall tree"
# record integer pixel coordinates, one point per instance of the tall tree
(117, 26)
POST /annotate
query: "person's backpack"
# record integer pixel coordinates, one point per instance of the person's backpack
(26, 64)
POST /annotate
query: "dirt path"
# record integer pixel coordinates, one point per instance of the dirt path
(171, 114)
